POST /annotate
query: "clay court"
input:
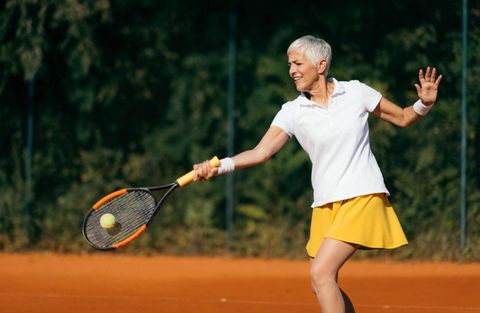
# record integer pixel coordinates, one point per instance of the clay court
(50, 283)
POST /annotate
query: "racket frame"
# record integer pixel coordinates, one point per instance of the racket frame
(140, 230)
(180, 182)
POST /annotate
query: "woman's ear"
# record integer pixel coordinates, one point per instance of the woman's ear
(322, 67)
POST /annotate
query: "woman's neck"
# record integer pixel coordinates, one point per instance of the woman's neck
(322, 91)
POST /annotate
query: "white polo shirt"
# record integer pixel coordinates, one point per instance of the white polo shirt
(336, 140)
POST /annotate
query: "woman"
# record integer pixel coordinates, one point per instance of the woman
(329, 119)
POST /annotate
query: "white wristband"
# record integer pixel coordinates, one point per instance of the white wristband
(420, 108)
(226, 166)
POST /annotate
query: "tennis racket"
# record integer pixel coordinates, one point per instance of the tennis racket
(133, 210)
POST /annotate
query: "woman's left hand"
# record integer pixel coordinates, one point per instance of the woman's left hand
(428, 88)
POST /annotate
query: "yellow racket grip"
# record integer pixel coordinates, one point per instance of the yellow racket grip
(187, 178)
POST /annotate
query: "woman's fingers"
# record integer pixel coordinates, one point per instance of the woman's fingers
(427, 74)
(202, 171)
(430, 75)
(421, 77)
(204, 168)
(196, 172)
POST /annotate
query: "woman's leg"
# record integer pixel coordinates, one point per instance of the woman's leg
(324, 268)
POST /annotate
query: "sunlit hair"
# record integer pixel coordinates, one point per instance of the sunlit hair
(316, 49)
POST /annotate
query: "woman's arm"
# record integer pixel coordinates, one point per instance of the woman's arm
(392, 113)
(427, 92)
(274, 139)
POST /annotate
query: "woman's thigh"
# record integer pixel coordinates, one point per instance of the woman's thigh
(331, 256)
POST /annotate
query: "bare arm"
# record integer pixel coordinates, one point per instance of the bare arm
(274, 139)
(427, 92)
(392, 113)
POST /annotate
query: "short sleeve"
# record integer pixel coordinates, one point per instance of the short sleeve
(284, 119)
(371, 97)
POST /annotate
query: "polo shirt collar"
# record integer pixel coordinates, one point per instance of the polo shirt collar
(338, 90)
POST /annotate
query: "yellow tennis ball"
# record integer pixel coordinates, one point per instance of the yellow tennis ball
(107, 221)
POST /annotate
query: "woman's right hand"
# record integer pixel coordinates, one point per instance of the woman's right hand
(204, 171)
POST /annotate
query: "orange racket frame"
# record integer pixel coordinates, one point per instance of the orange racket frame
(179, 182)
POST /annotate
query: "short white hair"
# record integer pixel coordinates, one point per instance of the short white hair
(316, 49)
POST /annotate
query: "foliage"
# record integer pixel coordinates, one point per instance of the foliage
(133, 93)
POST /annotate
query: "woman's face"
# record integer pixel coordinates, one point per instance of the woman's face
(302, 71)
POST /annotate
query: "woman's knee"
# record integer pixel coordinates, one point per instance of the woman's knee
(321, 276)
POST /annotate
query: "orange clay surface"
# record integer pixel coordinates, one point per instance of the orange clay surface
(111, 282)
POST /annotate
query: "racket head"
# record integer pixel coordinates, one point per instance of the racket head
(132, 208)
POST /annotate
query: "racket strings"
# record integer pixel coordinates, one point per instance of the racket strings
(131, 210)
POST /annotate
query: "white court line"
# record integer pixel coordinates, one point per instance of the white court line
(435, 308)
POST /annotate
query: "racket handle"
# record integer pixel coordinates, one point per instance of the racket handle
(187, 178)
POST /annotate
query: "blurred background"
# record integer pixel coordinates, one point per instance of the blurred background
(98, 95)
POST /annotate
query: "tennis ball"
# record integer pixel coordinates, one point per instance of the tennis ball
(108, 221)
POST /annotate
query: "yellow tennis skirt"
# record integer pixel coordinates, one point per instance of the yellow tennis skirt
(368, 221)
